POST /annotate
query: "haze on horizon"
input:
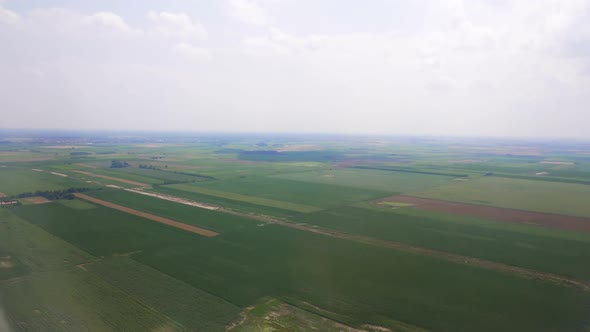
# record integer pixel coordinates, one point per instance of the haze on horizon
(425, 67)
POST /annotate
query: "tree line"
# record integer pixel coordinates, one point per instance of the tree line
(53, 195)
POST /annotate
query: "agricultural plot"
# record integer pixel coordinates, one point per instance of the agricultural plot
(541, 196)
(149, 216)
(74, 300)
(570, 223)
(325, 272)
(308, 237)
(42, 289)
(15, 180)
(220, 201)
(385, 181)
(259, 190)
(191, 308)
(166, 176)
(189, 215)
(248, 199)
(469, 237)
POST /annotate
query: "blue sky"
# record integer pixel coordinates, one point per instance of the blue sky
(434, 67)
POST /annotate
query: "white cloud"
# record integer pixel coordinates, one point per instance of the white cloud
(109, 20)
(176, 25)
(467, 67)
(191, 52)
(248, 11)
(7, 16)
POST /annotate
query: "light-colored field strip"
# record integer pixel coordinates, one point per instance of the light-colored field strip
(139, 184)
(59, 174)
(247, 198)
(3, 195)
(170, 222)
(174, 199)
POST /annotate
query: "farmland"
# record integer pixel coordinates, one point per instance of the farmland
(541, 196)
(295, 233)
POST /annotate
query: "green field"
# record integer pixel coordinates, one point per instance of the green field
(395, 182)
(243, 266)
(193, 309)
(302, 244)
(265, 190)
(15, 180)
(544, 251)
(541, 196)
(52, 294)
(246, 198)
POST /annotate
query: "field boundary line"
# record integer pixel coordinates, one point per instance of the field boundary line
(149, 216)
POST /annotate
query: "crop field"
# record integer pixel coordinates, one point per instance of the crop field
(194, 309)
(313, 196)
(491, 212)
(470, 239)
(371, 179)
(295, 234)
(19, 180)
(540, 196)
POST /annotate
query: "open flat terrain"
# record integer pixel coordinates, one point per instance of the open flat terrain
(540, 196)
(495, 213)
(294, 234)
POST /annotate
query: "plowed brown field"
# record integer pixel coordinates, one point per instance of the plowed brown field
(496, 213)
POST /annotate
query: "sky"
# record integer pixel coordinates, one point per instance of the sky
(516, 68)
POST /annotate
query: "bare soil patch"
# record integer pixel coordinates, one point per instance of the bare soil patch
(36, 200)
(3, 195)
(170, 222)
(569, 223)
(139, 184)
